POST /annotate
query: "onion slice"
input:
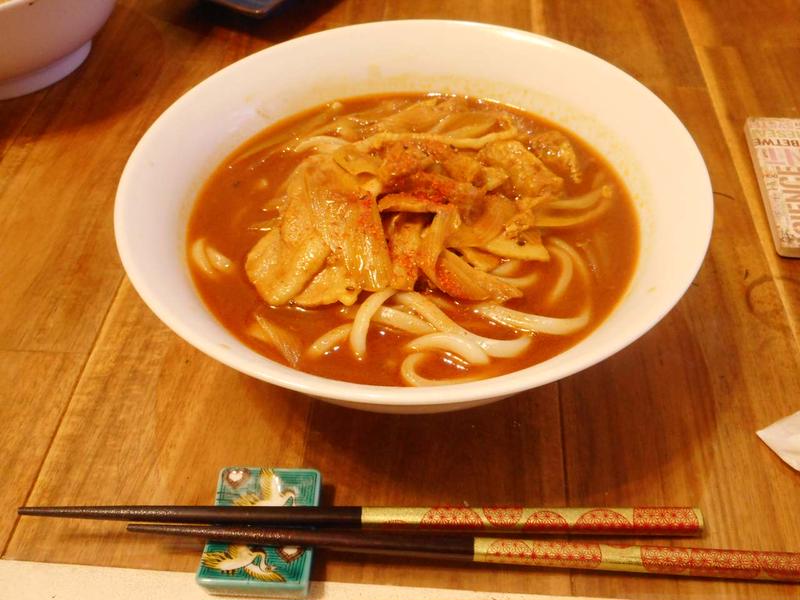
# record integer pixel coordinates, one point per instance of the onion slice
(283, 341)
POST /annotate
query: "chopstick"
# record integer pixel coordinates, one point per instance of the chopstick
(652, 560)
(662, 520)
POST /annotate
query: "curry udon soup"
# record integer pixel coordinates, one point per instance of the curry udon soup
(412, 240)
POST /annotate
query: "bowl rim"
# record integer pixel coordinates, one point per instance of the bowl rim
(9, 3)
(372, 396)
(13, 3)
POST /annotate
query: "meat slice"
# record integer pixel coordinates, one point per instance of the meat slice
(411, 203)
(463, 167)
(484, 223)
(325, 213)
(285, 259)
(467, 168)
(355, 161)
(557, 152)
(280, 269)
(404, 158)
(347, 218)
(528, 175)
(328, 286)
(444, 190)
(404, 238)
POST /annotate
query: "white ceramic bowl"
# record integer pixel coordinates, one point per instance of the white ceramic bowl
(640, 136)
(42, 41)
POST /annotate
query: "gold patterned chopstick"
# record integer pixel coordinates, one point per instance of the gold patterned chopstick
(654, 520)
(645, 559)
(659, 520)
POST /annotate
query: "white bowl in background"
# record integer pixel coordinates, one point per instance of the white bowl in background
(43, 41)
(618, 116)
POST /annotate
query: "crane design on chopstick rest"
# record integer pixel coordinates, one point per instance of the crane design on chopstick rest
(273, 492)
(254, 562)
(260, 570)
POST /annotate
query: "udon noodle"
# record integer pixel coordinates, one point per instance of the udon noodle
(417, 240)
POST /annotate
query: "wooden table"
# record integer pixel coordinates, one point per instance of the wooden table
(101, 403)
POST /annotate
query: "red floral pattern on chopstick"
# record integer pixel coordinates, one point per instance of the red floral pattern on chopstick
(721, 563)
(614, 521)
(697, 562)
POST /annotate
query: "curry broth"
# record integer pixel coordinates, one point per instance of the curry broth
(233, 198)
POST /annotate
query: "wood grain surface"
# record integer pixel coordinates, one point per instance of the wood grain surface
(100, 403)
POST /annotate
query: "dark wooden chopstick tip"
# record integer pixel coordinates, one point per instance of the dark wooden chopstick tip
(341, 516)
(38, 511)
(45, 511)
